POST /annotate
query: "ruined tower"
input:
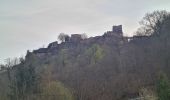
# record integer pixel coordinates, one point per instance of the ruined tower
(75, 38)
(116, 32)
(117, 29)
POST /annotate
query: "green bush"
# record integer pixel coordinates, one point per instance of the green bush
(163, 88)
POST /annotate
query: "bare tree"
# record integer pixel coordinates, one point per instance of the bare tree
(152, 23)
(9, 64)
(84, 36)
(148, 94)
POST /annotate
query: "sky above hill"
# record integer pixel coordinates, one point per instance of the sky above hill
(30, 24)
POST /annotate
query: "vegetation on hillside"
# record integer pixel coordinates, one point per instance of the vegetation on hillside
(99, 68)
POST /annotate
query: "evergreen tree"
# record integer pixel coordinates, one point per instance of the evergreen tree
(163, 88)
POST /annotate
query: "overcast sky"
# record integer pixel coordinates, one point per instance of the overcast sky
(30, 24)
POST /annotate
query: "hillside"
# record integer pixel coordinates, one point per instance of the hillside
(107, 67)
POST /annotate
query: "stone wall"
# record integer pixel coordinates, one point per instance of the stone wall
(53, 44)
(75, 38)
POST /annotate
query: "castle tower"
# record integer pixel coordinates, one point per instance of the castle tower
(75, 38)
(117, 29)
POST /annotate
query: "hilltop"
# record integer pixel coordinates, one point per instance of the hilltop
(107, 67)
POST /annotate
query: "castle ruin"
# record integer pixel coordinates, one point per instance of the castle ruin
(117, 29)
(115, 35)
(116, 32)
(75, 38)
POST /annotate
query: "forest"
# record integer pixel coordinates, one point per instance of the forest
(107, 67)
